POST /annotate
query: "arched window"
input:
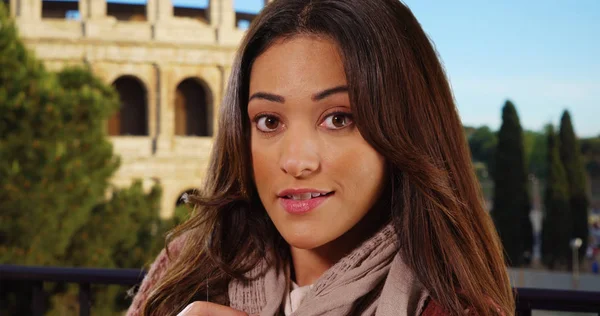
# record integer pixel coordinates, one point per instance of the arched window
(132, 118)
(60, 9)
(131, 10)
(246, 11)
(194, 9)
(192, 109)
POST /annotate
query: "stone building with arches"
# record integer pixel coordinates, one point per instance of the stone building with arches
(169, 65)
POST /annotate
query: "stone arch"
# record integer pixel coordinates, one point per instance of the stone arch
(193, 108)
(132, 118)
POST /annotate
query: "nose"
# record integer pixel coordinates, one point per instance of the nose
(299, 154)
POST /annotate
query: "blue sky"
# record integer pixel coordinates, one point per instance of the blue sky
(544, 55)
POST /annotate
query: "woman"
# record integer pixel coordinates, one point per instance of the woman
(340, 181)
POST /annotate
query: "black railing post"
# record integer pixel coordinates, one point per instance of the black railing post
(524, 312)
(85, 301)
(37, 302)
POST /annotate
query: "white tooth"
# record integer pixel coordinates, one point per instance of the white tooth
(315, 194)
(303, 196)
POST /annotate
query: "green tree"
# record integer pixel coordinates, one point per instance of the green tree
(590, 149)
(482, 143)
(96, 244)
(123, 232)
(55, 166)
(511, 199)
(537, 162)
(570, 155)
(556, 227)
(55, 160)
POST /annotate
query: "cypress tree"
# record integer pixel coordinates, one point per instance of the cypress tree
(527, 227)
(570, 155)
(511, 199)
(556, 227)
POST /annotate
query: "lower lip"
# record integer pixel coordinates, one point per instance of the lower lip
(302, 206)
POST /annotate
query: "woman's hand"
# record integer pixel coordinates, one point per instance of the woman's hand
(209, 309)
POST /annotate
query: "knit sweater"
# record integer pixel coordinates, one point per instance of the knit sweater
(400, 294)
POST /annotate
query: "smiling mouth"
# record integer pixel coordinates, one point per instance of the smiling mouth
(302, 203)
(305, 196)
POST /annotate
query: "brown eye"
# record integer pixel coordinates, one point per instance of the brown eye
(337, 120)
(271, 122)
(267, 123)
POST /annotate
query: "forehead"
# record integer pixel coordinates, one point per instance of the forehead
(300, 64)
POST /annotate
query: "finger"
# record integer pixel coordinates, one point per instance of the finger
(209, 309)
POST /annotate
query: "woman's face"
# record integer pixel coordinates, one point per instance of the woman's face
(315, 174)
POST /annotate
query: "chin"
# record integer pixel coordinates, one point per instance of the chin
(305, 240)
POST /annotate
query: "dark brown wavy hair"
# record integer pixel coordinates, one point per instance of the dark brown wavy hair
(403, 107)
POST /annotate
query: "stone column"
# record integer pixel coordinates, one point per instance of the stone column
(29, 10)
(164, 112)
(93, 15)
(13, 8)
(221, 14)
(92, 9)
(159, 10)
(225, 73)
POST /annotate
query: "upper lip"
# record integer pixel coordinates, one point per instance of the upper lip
(287, 192)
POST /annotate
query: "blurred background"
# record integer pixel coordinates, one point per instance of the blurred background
(108, 108)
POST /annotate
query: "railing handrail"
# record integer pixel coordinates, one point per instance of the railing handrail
(557, 300)
(72, 274)
(570, 295)
(527, 299)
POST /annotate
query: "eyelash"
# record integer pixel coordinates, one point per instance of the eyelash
(347, 115)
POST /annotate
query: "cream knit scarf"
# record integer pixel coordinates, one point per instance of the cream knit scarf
(373, 274)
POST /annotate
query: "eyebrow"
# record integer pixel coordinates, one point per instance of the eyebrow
(316, 97)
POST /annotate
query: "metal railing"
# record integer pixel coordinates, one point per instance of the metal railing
(85, 277)
(528, 299)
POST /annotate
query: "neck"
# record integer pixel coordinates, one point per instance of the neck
(309, 264)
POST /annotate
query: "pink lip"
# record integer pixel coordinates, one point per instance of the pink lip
(301, 206)
(299, 191)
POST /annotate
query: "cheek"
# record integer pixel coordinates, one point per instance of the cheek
(358, 167)
(360, 172)
(262, 164)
